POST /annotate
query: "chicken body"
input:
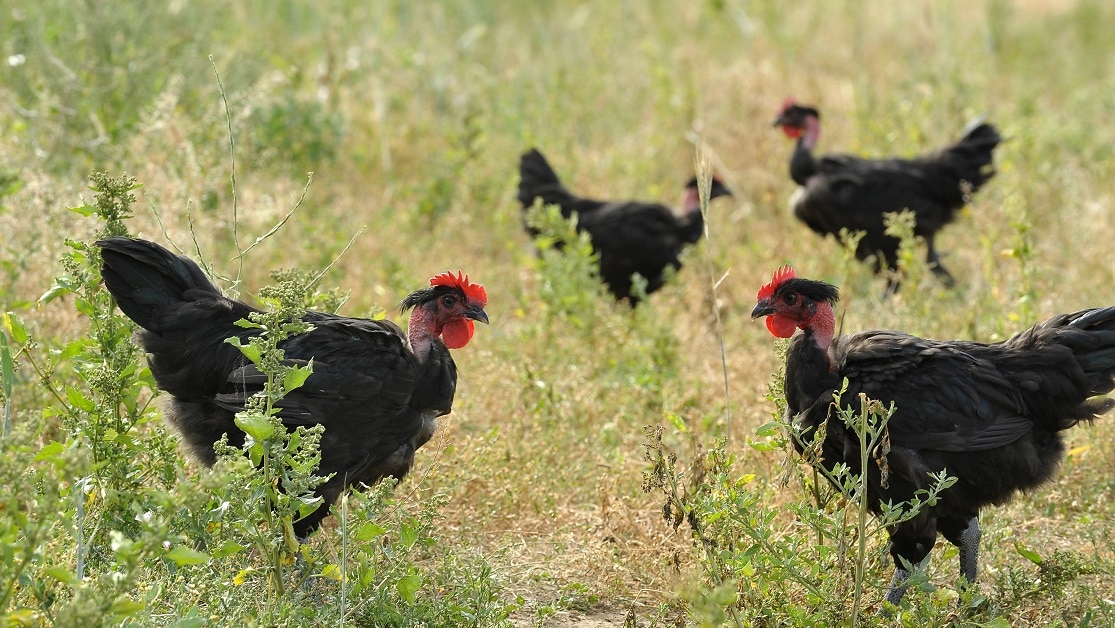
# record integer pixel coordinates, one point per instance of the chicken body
(847, 192)
(990, 415)
(377, 391)
(631, 237)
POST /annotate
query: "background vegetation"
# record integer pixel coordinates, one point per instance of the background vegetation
(529, 506)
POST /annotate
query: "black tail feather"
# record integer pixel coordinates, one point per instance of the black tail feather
(184, 322)
(1076, 387)
(1098, 358)
(982, 134)
(538, 180)
(147, 280)
(972, 155)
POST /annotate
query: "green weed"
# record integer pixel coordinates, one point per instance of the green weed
(527, 505)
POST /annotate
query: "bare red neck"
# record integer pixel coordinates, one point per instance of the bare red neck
(690, 200)
(812, 132)
(421, 332)
(823, 325)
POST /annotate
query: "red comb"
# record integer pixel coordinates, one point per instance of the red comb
(474, 291)
(782, 274)
(789, 102)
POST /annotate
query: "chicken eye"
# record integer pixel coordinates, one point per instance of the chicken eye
(791, 298)
(449, 301)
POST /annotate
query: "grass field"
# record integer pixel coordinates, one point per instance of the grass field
(528, 507)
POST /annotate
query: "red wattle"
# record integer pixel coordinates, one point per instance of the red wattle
(457, 333)
(781, 326)
(792, 132)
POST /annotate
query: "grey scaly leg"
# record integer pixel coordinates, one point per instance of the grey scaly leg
(897, 586)
(969, 550)
(900, 579)
(933, 260)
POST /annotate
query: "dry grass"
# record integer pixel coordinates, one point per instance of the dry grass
(541, 461)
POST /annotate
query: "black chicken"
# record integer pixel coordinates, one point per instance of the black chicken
(988, 414)
(629, 236)
(377, 391)
(847, 192)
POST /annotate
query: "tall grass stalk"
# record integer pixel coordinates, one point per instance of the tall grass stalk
(7, 375)
(870, 428)
(235, 199)
(704, 182)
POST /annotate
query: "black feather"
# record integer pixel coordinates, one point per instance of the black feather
(990, 415)
(377, 400)
(846, 192)
(629, 236)
(818, 291)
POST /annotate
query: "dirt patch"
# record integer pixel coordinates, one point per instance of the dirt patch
(601, 618)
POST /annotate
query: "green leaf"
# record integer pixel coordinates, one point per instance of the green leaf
(408, 586)
(53, 293)
(763, 445)
(15, 327)
(297, 376)
(251, 352)
(1028, 553)
(369, 530)
(677, 422)
(7, 366)
(769, 429)
(20, 617)
(79, 400)
(126, 606)
(73, 348)
(50, 450)
(84, 306)
(308, 505)
(182, 555)
(7, 188)
(61, 574)
(408, 534)
(366, 573)
(228, 548)
(85, 210)
(254, 425)
(331, 571)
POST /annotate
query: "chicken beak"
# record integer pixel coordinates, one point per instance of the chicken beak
(762, 308)
(779, 121)
(476, 313)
